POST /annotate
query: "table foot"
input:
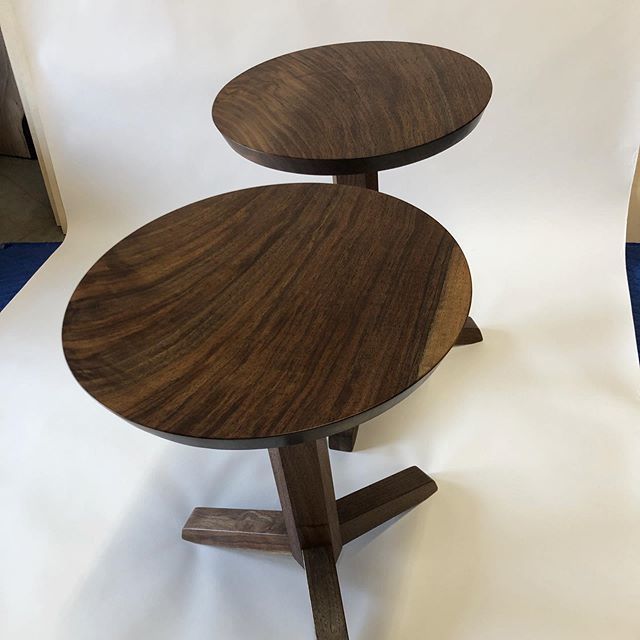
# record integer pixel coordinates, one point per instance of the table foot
(470, 333)
(371, 506)
(324, 592)
(344, 441)
(238, 528)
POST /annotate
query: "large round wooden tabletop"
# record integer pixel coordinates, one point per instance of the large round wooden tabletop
(268, 316)
(352, 108)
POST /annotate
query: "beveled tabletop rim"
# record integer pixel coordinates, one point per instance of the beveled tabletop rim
(350, 166)
(365, 164)
(292, 437)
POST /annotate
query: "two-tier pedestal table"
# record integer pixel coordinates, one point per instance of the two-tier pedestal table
(272, 318)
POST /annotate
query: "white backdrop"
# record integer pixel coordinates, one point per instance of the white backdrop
(533, 435)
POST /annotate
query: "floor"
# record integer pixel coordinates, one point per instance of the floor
(633, 274)
(25, 212)
(18, 262)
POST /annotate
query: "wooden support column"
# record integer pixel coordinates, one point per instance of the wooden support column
(305, 486)
(364, 180)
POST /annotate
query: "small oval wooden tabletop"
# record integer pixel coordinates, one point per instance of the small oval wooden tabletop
(268, 316)
(352, 108)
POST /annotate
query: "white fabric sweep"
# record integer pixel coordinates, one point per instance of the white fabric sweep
(533, 435)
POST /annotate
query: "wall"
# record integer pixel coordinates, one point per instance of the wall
(30, 102)
(532, 435)
(633, 223)
(12, 138)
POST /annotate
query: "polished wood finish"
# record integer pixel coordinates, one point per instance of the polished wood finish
(269, 316)
(305, 486)
(303, 477)
(345, 441)
(352, 108)
(324, 592)
(371, 506)
(238, 528)
(364, 180)
(470, 333)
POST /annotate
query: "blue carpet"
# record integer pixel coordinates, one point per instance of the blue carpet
(18, 262)
(633, 273)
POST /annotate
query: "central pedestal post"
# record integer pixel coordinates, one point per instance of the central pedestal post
(305, 486)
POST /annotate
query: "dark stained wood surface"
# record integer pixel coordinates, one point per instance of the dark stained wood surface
(364, 180)
(352, 108)
(259, 530)
(268, 316)
(370, 506)
(470, 333)
(312, 525)
(344, 441)
(305, 486)
(324, 592)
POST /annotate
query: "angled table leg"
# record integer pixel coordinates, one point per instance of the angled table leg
(344, 441)
(237, 528)
(470, 333)
(373, 505)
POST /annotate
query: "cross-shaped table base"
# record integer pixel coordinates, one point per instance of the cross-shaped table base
(312, 525)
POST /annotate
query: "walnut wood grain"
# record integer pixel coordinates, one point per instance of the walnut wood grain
(373, 505)
(305, 486)
(346, 441)
(238, 528)
(268, 316)
(470, 333)
(324, 592)
(303, 477)
(352, 108)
